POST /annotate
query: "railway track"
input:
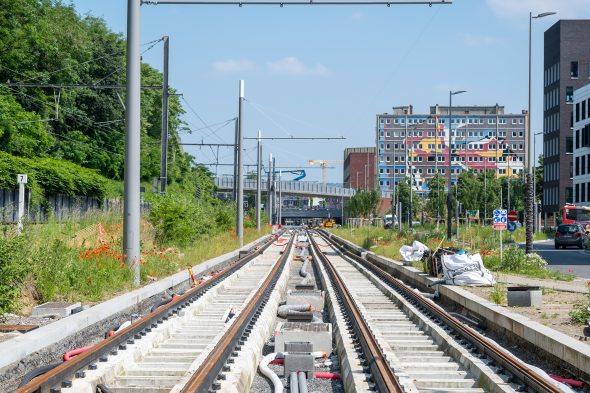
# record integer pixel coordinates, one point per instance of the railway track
(408, 343)
(181, 346)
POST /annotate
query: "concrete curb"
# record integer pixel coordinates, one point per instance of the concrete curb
(565, 348)
(37, 340)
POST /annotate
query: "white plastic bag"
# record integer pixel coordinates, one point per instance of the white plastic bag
(465, 269)
(414, 252)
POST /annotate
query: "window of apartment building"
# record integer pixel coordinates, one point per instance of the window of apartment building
(583, 192)
(380, 170)
(583, 116)
(577, 138)
(514, 121)
(583, 165)
(388, 134)
(402, 171)
(569, 94)
(574, 69)
(491, 121)
(577, 197)
(569, 145)
(381, 120)
(387, 158)
(502, 121)
(577, 111)
(388, 121)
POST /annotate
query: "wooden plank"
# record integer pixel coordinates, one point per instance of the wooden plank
(18, 328)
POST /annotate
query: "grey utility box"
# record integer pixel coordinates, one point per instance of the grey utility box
(524, 296)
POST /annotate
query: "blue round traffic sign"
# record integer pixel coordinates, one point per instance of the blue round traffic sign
(511, 226)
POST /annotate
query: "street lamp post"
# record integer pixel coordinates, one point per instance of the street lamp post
(528, 146)
(449, 203)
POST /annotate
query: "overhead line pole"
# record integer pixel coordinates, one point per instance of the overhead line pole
(164, 137)
(131, 202)
(240, 181)
(235, 190)
(269, 190)
(258, 181)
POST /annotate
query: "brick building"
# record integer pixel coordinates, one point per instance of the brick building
(482, 138)
(566, 68)
(359, 168)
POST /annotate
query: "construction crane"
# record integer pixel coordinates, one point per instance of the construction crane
(324, 165)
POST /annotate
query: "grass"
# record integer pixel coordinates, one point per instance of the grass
(83, 261)
(498, 294)
(473, 238)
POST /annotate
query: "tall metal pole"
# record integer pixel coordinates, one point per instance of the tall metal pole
(280, 206)
(131, 203)
(240, 202)
(449, 203)
(164, 137)
(274, 191)
(527, 138)
(529, 148)
(436, 173)
(235, 189)
(258, 181)
(269, 190)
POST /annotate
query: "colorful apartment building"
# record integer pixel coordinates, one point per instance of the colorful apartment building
(480, 138)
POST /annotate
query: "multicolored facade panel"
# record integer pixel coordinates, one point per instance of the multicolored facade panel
(481, 138)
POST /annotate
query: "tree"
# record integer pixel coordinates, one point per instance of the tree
(364, 204)
(402, 194)
(436, 205)
(469, 190)
(22, 132)
(539, 179)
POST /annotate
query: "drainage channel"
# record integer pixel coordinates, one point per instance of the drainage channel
(165, 357)
(422, 354)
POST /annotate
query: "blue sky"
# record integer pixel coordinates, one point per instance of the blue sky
(312, 71)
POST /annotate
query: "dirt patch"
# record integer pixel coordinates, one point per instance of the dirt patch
(553, 313)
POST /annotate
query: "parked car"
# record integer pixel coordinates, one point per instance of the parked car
(570, 235)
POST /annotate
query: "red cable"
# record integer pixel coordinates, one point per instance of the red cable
(327, 375)
(68, 355)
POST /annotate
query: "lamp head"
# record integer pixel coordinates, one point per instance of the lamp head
(544, 14)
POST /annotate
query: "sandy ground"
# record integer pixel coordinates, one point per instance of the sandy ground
(553, 313)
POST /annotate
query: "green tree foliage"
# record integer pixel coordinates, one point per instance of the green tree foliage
(363, 204)
(402, 194)
(437, 196)
(51, 176)
(45, 41)
(539, 178)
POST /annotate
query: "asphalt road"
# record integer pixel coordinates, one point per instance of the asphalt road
(571, 260)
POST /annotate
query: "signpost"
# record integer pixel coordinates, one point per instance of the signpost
(500, 221)
(21, 179)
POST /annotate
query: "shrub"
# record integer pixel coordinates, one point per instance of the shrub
(14, 264)
(498, 294)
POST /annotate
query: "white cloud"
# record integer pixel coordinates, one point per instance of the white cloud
(293, 66)
(233, 65)
(520, 8)
(477, 40)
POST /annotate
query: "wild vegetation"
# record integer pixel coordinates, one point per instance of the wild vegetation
(46, 42)
(473, 238)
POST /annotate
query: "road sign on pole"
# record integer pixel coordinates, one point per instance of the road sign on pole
(500, 219)
(511, 226)
(513, 216)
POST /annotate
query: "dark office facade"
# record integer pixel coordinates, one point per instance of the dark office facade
(566, 68)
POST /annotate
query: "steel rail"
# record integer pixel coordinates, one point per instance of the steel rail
(206, 374)
(503, 358)
(382, 373)
(67, 370)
